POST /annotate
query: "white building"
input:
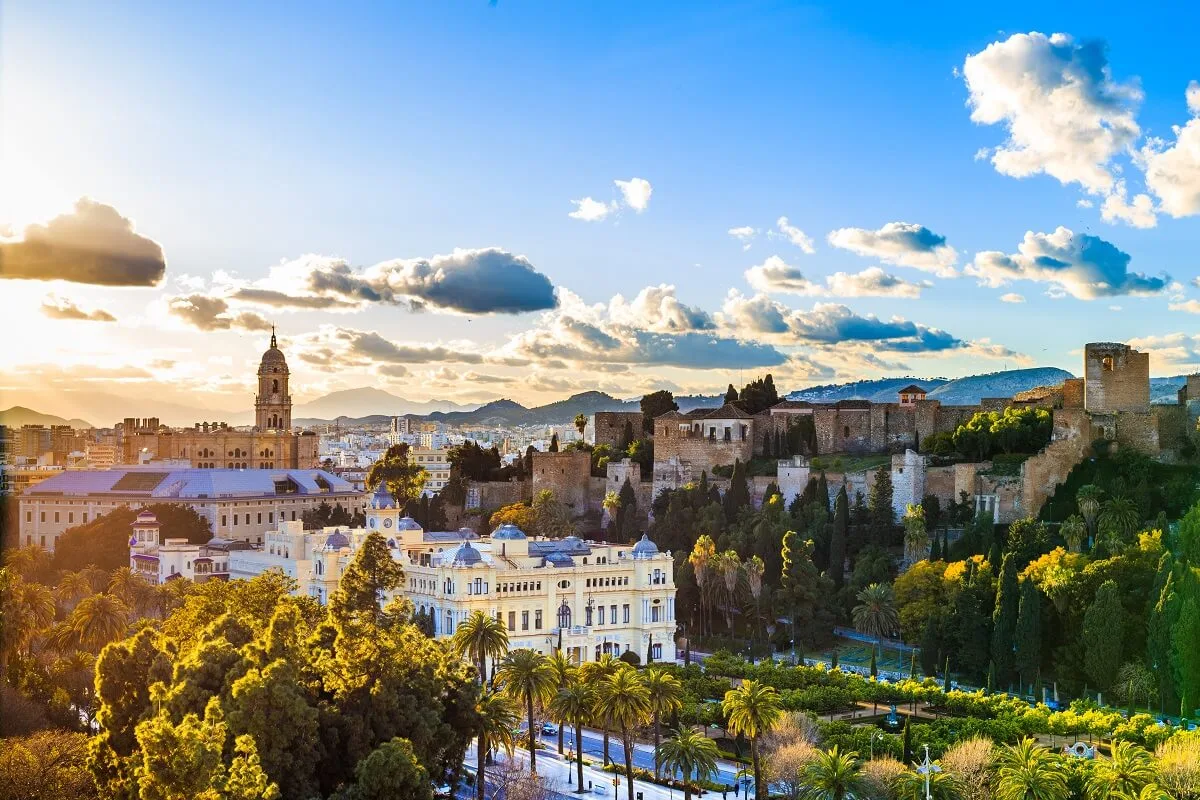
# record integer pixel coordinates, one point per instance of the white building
(161, 561)
(436, 462)
(586, 597)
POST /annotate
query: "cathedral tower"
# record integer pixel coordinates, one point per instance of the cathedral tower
(273, 404)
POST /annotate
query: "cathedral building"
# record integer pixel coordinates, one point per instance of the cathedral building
(271, 444)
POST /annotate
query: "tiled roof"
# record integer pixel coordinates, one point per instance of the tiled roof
(912, 388)
(727, 411)
(190, 483)
(784, 404)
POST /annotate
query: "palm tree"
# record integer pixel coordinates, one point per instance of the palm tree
(755, 567)
(729, 567)
(480, 637)
(592, 673)
(580, 424)
(624, 701)
(704, 553)
(1120, 516)
(875, 614)
(666, 699)
(498, 719)
(1087, 499)
(574, 703)
(99, 619)
(71, 587)
(526, 676)
(834, 775)
(97, 576)
(1074, 532)
(752, 710)
(1129, 770)
(691, 752)
(611, 504)
(26, 609)
(1027, 771)
(910, 785)
(564, 673)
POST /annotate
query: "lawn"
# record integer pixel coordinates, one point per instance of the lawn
(849, 462)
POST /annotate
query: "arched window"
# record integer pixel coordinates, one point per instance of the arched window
(564, 615)
(275, 386)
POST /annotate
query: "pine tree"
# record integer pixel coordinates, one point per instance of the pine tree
(1028, 634)
(822, 496)
(946, 676)
(1101, 638)
(1004, 620)
(935, 551)
(738, 496)
(1186, 655)
(874, 664)
(837, 540)
(731, 394)
(882, 515)
(554, 443)
(908, 754)
(991, 678)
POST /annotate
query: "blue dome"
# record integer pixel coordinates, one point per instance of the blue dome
(336, 541)
(407, 524)
(559, 559)
(382, 498)
(465, 555)
(508, 531)
(573, 544)
(645, 548)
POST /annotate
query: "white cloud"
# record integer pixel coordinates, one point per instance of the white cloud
(1084, 266)
(1012, 297)
(794, 235)
(1139, 213)
(1083, 202)
(905, 244)
(1173, 349)
(589, 210)
(1065, 114)
(1173, 172)
(636, 193)
(655, 308)
(744, 234)
(1189, 306)
(777, 276)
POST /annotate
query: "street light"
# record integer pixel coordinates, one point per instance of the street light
(928, 768)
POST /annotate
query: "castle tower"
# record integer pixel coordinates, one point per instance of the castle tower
(273, 404)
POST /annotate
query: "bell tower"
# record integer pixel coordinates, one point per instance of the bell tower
(273, 403)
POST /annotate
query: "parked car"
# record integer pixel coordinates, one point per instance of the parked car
(548, 729)
(443, 790)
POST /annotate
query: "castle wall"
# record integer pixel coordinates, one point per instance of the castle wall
(701, 452)
(1138, 431)
(1173, 426)
(608, 427)
(792, 476)
(908, 481)
(1073, 389)
(491, 495)
(567, 474)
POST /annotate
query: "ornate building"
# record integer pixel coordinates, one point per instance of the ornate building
(271, 444)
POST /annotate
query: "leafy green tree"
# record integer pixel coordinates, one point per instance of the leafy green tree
(371, 575)
(527, 677)
(480, 636)
(404, 479)
(691, 753)
(391, 770)
(737, 496)
(654, 405)
(47, 765)
(753, 709)
(1027, 539)
(1027, 635)
(1004, 620)
(1101, 636)
(803, 591)
(624, 701)
(551, 518)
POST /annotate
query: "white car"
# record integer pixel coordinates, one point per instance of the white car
(443, 790)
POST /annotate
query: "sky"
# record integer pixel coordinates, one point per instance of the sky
(466, 201)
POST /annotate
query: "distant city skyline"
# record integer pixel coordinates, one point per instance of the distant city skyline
(470, 202)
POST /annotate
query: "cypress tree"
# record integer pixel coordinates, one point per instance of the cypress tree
(935, 551)
(554, 443)
(1004, 619)
(946, 678)
(991, 678)
(882, 515)
(731, 394)
(908, 755)
(1028, 634)
(837, 540)
(834, 663)
(1101, 637)
(823, 492)
(874, 664)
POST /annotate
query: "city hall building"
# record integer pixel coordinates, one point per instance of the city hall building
(587, 598)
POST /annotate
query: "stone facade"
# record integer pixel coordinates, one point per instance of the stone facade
(1116, 379)
(792, 476)
(608, 427)
(568, 474)
(706, 440)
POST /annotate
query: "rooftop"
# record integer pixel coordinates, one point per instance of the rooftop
(192, 484)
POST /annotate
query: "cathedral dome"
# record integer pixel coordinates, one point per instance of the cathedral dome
(273, 357)
(645, 548)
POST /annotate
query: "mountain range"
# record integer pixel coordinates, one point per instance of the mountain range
(17, 416)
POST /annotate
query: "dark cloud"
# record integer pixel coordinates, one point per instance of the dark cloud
(487, 281)
(92, 244)
(62, 308)
(213, 314)
(348, 347)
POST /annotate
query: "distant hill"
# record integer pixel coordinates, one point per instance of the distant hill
(1165, 390)
(964, 391)
(561, 412)
(17, 416)
(368, 401)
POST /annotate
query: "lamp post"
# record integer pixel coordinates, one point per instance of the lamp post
(928, 768)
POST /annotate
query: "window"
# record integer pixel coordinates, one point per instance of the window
(600, 615)
(85, 516)
(588, 615)
(655, 611)
(270, 516)
(512, 620)
(537, 620)
(845, 431)
(564, 616)
(29, 516)
(524, 620)
(1107, 363)
(223, 521)
(235, 516)
(656, 651)
(56, 516)
(71, 516)
(625, 613)
(613, 613)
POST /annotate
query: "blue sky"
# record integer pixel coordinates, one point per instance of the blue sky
(239, 139)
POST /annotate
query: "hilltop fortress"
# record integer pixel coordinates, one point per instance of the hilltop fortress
(1107, 408)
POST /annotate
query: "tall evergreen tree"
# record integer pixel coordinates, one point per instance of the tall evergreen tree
(554, 443)
(882, 515)
(822, 496)
(738, 496)
(731, 394)
(1028, 635)
(1185, 655)
(1004, 620)
(1101, 637)
(837, 540)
